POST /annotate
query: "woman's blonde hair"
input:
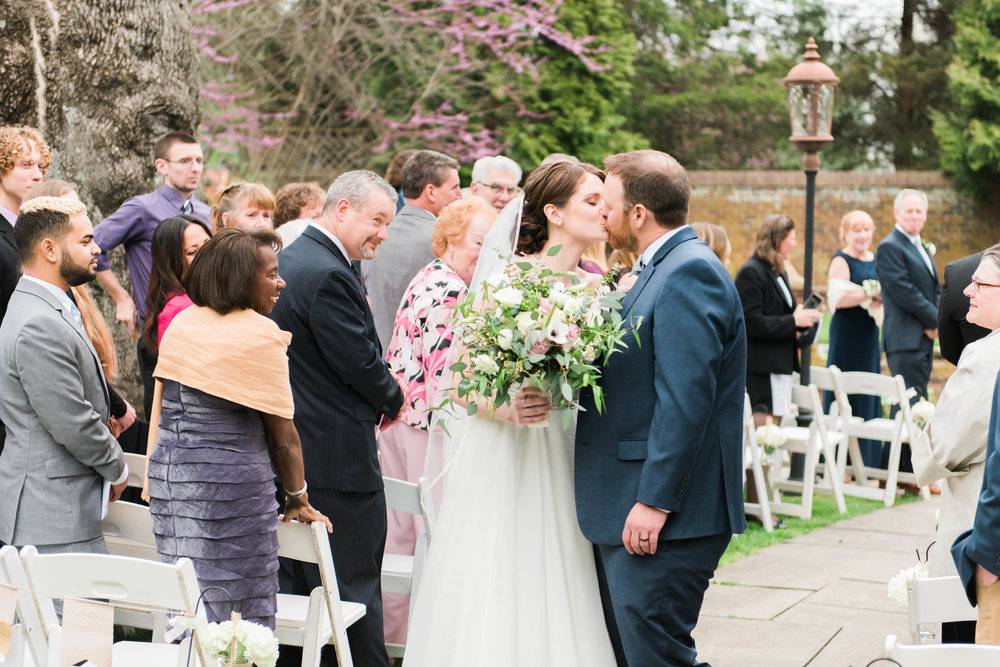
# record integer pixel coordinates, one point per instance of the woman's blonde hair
(715, 238)
(851, 219)
(454, 219)
(237, 195)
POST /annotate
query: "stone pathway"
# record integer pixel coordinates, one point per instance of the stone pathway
(819, 599)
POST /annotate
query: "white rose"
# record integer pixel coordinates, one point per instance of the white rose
(508, 296)
(484, 364)
(558, 298)
(495, 279)
(573, 305)
(525, 322)
(593, 317)
(505, 338)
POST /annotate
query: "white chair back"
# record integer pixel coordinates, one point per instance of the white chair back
(896, 431)
(119, 580)
(938, 655)
(937, 600)
(752, 461)
(29, 642)
(136, 469)
(128, 531)
(402, 573)
(813, 441)
(326, 618)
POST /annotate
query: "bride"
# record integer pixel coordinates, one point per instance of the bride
(510, 579)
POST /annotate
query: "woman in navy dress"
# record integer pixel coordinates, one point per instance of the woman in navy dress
(853, 330)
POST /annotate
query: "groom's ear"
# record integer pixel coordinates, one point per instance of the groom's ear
(639, 216)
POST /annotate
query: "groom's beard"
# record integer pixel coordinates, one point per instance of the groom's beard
(621, 237)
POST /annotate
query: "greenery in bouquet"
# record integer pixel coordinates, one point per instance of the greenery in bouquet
(527, 327)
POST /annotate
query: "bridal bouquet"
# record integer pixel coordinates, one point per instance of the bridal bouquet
(526, 327)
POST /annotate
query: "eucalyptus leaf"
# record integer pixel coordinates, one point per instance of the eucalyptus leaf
(554, 250)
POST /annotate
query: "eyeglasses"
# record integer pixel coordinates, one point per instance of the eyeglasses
(976, 284)
(188, 161)
(497, 188)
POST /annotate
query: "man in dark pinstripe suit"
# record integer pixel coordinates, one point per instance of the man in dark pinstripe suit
(342, 390)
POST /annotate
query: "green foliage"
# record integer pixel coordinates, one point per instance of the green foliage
(970, 135)
(571, 108)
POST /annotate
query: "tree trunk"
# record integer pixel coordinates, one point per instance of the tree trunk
(101, 80)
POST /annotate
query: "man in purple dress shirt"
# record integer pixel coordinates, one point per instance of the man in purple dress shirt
(180, 161)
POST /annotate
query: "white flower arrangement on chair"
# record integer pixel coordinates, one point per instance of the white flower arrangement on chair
(770, 436)
(922, 411)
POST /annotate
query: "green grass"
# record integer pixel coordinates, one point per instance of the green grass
(824, 513)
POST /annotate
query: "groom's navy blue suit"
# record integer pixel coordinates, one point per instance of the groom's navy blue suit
(670, 437)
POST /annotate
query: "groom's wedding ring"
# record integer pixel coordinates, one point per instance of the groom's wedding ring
(644, 539)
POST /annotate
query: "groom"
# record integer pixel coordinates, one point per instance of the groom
(659, 475)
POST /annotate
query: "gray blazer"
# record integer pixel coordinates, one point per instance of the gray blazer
(54, 402)
(406, 251)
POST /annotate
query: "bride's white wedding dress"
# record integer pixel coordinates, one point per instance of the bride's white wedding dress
(510, 579)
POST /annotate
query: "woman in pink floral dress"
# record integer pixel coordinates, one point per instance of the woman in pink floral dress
(417, 354)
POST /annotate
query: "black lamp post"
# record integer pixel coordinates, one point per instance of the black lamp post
(810, 87)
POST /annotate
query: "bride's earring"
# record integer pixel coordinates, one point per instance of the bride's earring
(557, 223)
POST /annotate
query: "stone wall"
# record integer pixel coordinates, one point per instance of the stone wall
(738, 201)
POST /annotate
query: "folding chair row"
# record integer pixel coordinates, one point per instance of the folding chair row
(896, 430)
(119, 580)
(311, 621)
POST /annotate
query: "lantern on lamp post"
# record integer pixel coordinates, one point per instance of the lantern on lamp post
(810, 87)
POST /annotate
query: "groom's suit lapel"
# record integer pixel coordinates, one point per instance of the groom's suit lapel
(647, 273)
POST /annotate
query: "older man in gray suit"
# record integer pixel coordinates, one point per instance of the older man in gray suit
(430, 182)
(61, 463)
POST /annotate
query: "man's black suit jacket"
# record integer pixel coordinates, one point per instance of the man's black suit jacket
(954, 331)
(910, 293)
(340, 383)
(10, 265)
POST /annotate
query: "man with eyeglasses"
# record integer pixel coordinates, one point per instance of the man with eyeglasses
(495, 179)
(179, 160)
(429, 183)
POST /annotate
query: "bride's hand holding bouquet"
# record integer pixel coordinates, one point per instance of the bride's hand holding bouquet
(529, 339)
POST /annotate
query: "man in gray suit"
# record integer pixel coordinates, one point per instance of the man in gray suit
(61, 463)
(430, 182)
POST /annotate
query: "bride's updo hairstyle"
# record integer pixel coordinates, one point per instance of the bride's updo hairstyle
(553, 183)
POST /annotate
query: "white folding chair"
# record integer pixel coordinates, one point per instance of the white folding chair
(119, 580)
(128, 531)
(401, 573)
(938, 655)
(136, 470)
(933, 601)
(812, 441)
(752, 461)
(322, 618)
(29, 644)
(895, 431)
